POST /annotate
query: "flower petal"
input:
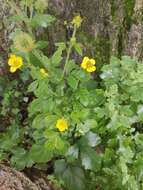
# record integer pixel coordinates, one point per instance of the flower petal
(91, 69)
(43, 73)
(84, 62)
(20, 61)
(12, 56)
(10, 62)
(13, 69)
(92, 61)
(62, 125)
(85, 59)
(83, 65)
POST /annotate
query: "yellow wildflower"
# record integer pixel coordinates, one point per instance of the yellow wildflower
(88, 64)
(15, 62)
(77, 20)
(43, 73)
(61, 125)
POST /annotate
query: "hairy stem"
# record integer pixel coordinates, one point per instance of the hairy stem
(69, 51)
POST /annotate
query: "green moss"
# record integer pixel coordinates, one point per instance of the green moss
(102, 49)
(113, 8)
(98, 47)
(120, 42)
(129, 11)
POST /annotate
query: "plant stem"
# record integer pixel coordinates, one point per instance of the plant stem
(69, 51)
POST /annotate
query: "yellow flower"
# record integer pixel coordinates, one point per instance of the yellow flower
(15, 62)
(61, 125)
(43, 73)
(88, 64)
(77, 20)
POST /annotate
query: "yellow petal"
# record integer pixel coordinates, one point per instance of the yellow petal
(10, 62)
(93, 61)
(77, 20)
(85, 59)
(13, 69)
(12, 56)
(20, 61)
(43, 72)
(61, 125)
(84, 62)
(83, 65)
(91, 69)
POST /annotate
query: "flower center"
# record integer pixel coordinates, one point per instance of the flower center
(16, 63)
(89, 64)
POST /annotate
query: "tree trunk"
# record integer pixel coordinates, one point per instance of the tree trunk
(110, 27)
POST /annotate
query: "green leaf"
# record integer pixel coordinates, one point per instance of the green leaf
(61, 45)
(56, 145)
(71, 66)
(89, 124)
(42, 20)
(77, 116)
(57, 56)
(73, 176)
(20, 159)
(81, 75)
(73, 82)
(124, 170)
(56, 75)
(18, 18)
(10, 138)
(32, 87)
(60, 166)
(39, 121)
(73, 151)
(40, 154)
(41, 44)
(77, 47)
(90, 159)
(37, 58)
(83, 96)
(92, 139)
(41, 105)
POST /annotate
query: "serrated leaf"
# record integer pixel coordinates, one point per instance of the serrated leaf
(90, 159)
(40, 154)
(77, 47)
(73, 176)
(73, 151)
(32, 87)
(20, 159)
(55, 143)
(42, 20)
(73, 82)
(57, 58)
(41, 44)
(92, 139)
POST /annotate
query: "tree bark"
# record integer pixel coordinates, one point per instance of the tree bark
(110, 27)
(113, 27)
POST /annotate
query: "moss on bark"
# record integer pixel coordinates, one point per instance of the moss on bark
(112, 27)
